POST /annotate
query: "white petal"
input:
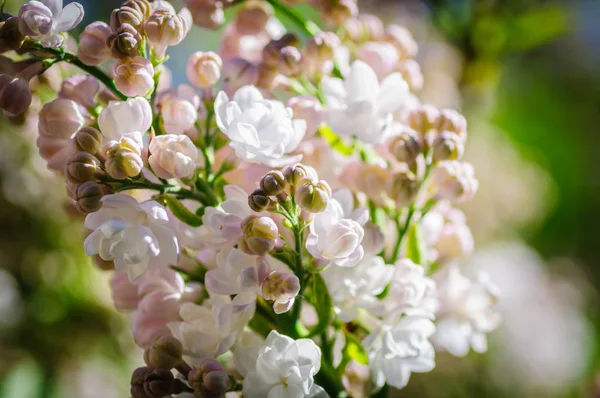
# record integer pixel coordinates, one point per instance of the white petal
(70, 17)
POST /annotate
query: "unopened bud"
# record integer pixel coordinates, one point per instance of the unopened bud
(313, 196)
(406, 147)
(273, 183)
(11, 37)
(134, 76)
(164, 352)
(209, 379)
(259, 200)
(82, 89)
(237, 73)
(289, 61)
(125, 41)
(293, 174)
(447, 146)
(154, 383)
(252, 17)
(411, 72)
(206, 13)
(132, 12)
(165, 28)
(281, 286)
(82, 167)
(266, 76)
(89, 140)
(260, 235)
(403, 188)
(422, 119)
(338, 11)
(204, 69)
(15, 96)
(93, 44)
(87, 196)
(322, 46)
(454, 180)
(270, 54)
(450, 120)
(403, 40)
(124, 157)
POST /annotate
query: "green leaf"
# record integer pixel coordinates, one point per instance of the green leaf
(415, 245)
(322, 302)
(182, 212)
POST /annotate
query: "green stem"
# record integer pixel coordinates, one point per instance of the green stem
(65, 56)
(402, 232)
(165, 189)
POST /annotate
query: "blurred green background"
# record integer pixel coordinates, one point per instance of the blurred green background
(526, 74)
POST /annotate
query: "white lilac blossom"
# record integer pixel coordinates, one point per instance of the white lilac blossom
(336, 233)
(261, 131)
(281, 367)
(354, 288)
(210, 329)
(44, 20)
(237, 274)
(466, 312)
(359, 106)
(122, 117)
(172, 156)
(395, 351)
(410, 290)
(222, 226)
(133, 235)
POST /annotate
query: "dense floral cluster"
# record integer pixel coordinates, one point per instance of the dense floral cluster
(280, 225)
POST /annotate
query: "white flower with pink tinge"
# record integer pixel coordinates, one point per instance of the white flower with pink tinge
(281, 367)
(261, 131)
(359, 106)
(133, 235)
(44, 20)
(466, 313)
(336, 233)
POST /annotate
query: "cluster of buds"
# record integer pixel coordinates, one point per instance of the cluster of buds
(310, 193)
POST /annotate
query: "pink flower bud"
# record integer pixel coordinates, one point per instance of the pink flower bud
(260, 235)
(238, 73)
(134, 76)
(179, 109)
(209, 379)
(454, 180)
(82, 89)
(87, 196)
(403, 40)
(447, 146)
(165, 28)
(172, 156)
(15, 96)
(93, 44)
(382, 57)
(59, 121)
(252, 17)
(280, 286)
(403, 188)
(451, 120)
(313, 196)
(411, 72)
(206, 13)
(146, 327)
(204, 69)
(82, 167)
(124, 293)
(124, 156)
